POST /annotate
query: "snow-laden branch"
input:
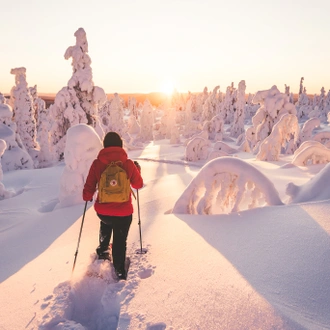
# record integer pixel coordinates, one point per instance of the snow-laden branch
(307, 129)
(310, 153)
(226, 185)
(322, 137)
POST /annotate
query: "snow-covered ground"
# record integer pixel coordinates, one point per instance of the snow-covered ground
(265, 268)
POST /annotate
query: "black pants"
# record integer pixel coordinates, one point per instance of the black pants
(120, 227)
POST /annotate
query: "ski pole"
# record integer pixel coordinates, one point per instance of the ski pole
(81, 227)
(141, 251)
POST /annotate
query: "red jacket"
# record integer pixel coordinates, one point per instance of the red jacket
(104, 157)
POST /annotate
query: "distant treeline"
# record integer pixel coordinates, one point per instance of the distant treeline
(155, 98)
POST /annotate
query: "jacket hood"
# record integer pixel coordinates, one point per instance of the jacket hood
(111, 154)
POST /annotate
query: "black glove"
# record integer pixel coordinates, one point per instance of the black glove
(137, 165)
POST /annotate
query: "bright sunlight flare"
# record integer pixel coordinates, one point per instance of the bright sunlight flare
(167, 87)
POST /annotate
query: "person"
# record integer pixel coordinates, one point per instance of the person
(115, 218)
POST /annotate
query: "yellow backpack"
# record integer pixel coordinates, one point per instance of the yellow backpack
(114, 185)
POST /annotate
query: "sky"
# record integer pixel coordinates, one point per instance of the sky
(145, 46)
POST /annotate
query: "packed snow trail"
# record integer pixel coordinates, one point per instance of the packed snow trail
(94, 302)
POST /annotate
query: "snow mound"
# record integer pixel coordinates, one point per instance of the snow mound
(316, 189)
(226, 185)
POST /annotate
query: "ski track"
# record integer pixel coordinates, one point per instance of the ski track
(96, 302)
(172, 162)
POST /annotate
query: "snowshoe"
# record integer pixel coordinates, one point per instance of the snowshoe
(104, 256)
(121, 274)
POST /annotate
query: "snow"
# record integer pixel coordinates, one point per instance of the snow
(262, 268)
(81, 148)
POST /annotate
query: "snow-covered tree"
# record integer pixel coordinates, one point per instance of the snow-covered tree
(284, 135)
(216, 154)
(211, 105)
(250, 109)
(224, 147)
(310, 153)
(327, 105)
(78, 102)
(288, 93)
(237, 127)
(161, 127)
(43, 127)
(117, 115)
(315, 113)
(228, 106)
(38, 104)
(112, 115)
(175, 135)
(82, 147)
(301, 86)
(274, 105)
(303, 105)
(322, 137)
(132, 107)
(172, 131)
(3, 100)
(6, 115)
(133, 126)
(177, 101)
(225, 185)
(198, 104)
(190, 122)
(3, 146)
(197, 149)
(4, 193)
(214, 128)
(147, 122)
(44, 156)
(24, 112)
(307, 129)
(15, 156)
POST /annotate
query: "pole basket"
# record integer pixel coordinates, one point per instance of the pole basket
(141, 251)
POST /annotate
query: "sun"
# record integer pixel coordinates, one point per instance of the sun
(167, 87)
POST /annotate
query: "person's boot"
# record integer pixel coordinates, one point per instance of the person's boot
(120, 271)
(121, 274)
(102, 253)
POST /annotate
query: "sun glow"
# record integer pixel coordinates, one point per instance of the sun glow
(167, 87)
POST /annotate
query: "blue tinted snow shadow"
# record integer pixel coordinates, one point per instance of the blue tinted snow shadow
(281, 251)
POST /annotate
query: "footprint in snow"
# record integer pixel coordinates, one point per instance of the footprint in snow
(143, 274)
(156, 326)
